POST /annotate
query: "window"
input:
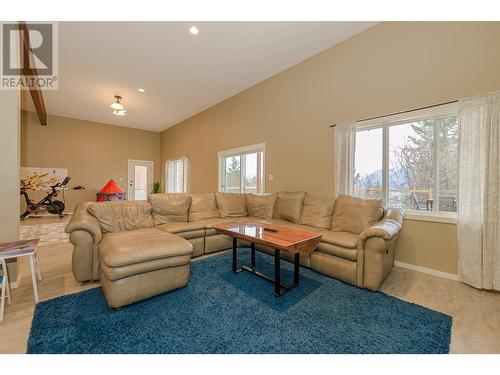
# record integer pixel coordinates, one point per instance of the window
(368, 164)
(242, 170)
(177, 175)
(411, 162)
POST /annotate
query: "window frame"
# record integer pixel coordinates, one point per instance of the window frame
(241, 151)
(185, 164)
(385, 123)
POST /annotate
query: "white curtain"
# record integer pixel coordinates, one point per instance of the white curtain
(344, 144)
(479, 191)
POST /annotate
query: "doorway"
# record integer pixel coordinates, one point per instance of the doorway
(140, 179)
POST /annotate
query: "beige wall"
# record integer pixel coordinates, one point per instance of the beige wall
(9, 170)
(390, 67)
(9, 165)
(92, 152)
(429, 244)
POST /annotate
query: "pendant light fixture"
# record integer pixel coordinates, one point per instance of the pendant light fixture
(117, 107)
(121, 112)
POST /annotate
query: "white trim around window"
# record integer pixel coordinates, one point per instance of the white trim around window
(181, 186)
(437, 217)
(385, 123)
(260, 149)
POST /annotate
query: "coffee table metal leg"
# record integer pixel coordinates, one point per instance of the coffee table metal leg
(296, 265)
(235, 249)
(277, 275)
(279, 289)
(253, 253)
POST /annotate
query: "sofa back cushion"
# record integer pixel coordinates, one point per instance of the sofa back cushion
(203, 206)
(353, 214)
(261, 205)
(317, 211)
(122, 216)
(231, 204)
(170, 207)
(288, 206)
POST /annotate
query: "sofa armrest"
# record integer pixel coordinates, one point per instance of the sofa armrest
(376, 245)
(386, 229)
(81, 220)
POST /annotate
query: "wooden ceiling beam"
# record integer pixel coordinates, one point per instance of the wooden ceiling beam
(30, 70)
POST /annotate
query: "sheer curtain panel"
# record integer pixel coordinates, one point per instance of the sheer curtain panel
(344, 144)
(479, 192)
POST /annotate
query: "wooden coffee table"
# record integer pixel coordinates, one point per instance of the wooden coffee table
(295, 241)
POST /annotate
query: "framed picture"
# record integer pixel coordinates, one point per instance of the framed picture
(41, 178)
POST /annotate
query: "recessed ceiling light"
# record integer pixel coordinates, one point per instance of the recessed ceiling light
(194, 30)
(141, 90)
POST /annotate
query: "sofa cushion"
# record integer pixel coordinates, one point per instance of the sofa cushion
(122, 216)
(117, 273)
(123, 249)
(317, 211)
(288, 206)
(203, 206)
(231, 204)
(188, 235)
(181, 227)
(344, 239)
(170, 207)
(354, 214)
(209, 223)
(194, 234)
(261, 205)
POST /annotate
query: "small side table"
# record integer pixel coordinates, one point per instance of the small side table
(17, 249)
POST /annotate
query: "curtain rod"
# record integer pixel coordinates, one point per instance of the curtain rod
(401, 112)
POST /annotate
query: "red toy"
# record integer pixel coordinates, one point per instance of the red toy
(111, 192)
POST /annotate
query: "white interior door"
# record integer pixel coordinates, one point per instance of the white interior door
(140, 179)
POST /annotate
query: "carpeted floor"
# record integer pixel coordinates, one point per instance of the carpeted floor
(49, 234)
(222, 312)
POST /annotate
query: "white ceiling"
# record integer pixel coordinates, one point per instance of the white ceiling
(182, 74)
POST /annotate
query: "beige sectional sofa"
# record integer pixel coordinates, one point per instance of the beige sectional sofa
(357, 246)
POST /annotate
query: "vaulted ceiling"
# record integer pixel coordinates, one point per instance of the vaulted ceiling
(182, 74)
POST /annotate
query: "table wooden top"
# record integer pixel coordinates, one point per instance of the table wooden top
(289, 239)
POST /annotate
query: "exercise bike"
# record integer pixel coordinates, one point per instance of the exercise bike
(54, 207)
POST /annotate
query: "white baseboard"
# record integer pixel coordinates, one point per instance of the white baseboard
(429, 271)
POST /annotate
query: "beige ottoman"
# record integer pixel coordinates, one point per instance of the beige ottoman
(142, 263)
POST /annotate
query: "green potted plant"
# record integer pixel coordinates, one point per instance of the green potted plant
(156, 188)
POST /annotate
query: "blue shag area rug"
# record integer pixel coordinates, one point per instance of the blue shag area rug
(222, 312)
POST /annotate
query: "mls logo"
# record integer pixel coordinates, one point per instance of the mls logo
(29, 56)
